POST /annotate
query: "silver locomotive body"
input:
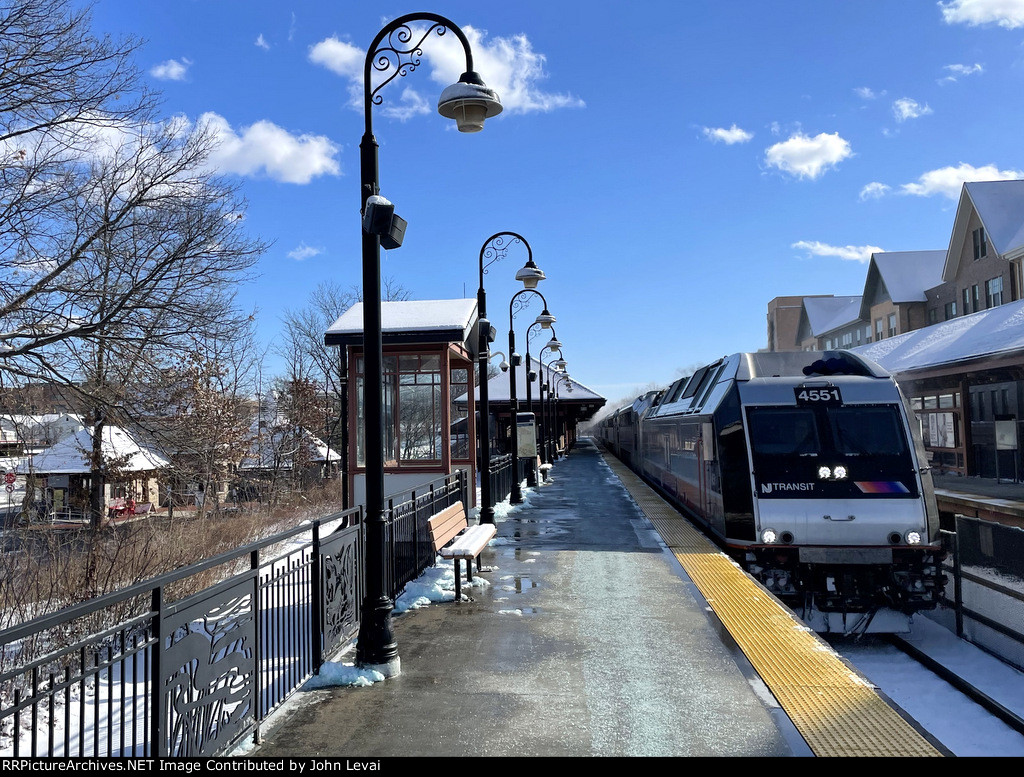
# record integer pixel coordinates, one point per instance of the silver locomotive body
(807, 467)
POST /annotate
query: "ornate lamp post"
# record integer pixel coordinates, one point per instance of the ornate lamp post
(531, 376)
(545, 319)
(545, 387)
(561, 380)
(493, 249)
(469, 102)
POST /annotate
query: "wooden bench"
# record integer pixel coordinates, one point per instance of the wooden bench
(453, 538)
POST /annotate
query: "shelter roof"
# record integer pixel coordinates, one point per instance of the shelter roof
(997, 331)
(409, 322)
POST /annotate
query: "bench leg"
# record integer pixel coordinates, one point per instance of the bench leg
(469, 570)
(458, 581)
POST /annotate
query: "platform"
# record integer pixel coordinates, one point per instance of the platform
(592, 640)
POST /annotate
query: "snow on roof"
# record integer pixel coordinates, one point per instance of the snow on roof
(71, 455)
(498, 386)
(410, 316)
(827, 313)
(908, 274)
(990, 332)
(1000, 205)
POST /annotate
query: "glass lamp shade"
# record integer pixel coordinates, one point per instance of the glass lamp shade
(469, 103)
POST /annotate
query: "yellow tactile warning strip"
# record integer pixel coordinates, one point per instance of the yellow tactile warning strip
(837, 712)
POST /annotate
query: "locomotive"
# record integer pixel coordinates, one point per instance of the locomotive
(809, 470)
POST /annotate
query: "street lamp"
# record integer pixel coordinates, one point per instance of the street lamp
(469, 102)
(493, 249)
(545, 319)
(531, 376)
(553, 345)
(564, 376)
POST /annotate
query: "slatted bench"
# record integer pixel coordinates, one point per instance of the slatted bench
(453, 538)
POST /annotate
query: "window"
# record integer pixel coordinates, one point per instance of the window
(950, 311)
(828, 345)
(892, 325)
(933, 315)
(848, 339)
(412, 408)
(878, 329)
(867, 333)
(967, 301)
(994, 292)
(980, 243)
(975, 298)
(459, 387)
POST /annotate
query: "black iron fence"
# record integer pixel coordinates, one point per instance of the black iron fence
(156, 670)
(984, 597)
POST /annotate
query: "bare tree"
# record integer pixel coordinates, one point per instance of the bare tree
(119, 249)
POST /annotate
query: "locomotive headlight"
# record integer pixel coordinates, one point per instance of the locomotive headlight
(839, 472)
(913, 537)
(824, 473)
(769, 537)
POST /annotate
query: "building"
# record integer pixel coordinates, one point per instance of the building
(429, 352)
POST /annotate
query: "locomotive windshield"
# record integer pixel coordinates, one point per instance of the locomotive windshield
(830, 451)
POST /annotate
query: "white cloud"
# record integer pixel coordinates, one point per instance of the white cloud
(1005, 13)
(304, 251)
(948, 181)
(807, 157)
(171, 70)
(964, 70)
(865, 92)
(728, 136)
(338, 57)
(264, 148)
(510, 66)
(874, 191)
(905, 108)
(848, 253)
(262, 42)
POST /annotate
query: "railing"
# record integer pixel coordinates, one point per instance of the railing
(193, 661)
(501, 478)
(984, 597)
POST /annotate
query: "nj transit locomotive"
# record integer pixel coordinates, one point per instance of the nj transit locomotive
(808, 468)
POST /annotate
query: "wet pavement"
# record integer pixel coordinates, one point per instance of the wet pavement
(589, 641)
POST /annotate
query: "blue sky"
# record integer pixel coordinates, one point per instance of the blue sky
(673, 165)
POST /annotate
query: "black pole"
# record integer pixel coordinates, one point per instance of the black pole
(376, 645)
(513, 399)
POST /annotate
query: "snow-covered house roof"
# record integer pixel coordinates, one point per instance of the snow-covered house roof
(901, 276)
(825, 314)
(994, 332)
(414, 321)
(275, 448)
(1000, 208)
(71, 454)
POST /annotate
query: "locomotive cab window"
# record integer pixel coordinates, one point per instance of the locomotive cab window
(867, 431)
(784, 431)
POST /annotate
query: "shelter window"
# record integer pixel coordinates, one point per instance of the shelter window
(460, 416)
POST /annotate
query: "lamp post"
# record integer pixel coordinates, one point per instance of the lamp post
(564, 376)
(494, 248)
(469, 102)
(545, 319)
(531, 376)
(545, 387)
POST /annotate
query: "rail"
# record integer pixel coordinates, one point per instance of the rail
(192, 662)
(984, 597)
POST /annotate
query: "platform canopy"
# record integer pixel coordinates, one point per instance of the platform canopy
(411, 321)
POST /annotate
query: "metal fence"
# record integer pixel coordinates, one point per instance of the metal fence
(156, 670)
(984, 597)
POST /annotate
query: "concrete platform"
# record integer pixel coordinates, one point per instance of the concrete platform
(589, 641)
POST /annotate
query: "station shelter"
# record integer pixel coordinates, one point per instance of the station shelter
(429, 350)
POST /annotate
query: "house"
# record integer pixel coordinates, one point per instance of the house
(63, 471)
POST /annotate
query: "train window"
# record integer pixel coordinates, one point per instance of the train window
(695, 381)
(783, 431)
(867, 431)
(710, 380)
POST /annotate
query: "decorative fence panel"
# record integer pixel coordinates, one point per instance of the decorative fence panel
(150, 671)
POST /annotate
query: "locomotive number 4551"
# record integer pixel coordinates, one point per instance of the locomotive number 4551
(818, 396)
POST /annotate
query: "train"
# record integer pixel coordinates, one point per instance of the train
(808, 469)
